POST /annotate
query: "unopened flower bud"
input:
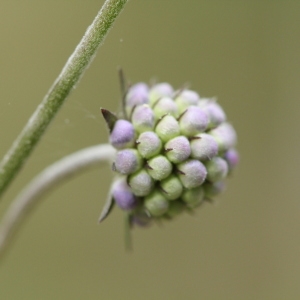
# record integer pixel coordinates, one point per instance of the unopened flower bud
(128, 161)
(225, 136)
(172, 187)
(178, 149)
(167, 128)
(213, 189)
(232, 158)
(193, 197)
(217, 169)
(185, 99)
(156, 204)
(214, 112)
(160, 90)
(142, 118)
(136, 95)
(192, 173)
(122, 135)
(175, 208)
(165, 105)
(159, 167)
(140, 218)
(123, 195)
(203, 147)
(149, 144)
(193, 121)
(141, 183)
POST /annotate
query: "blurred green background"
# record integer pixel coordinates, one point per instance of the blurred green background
(247, 53)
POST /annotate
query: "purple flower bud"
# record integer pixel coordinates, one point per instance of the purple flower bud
(142, 118)
(225, 136)
(136, 95)
(214, 112)
(193, 121)
(193, 197)
(149, 144)
(175, 208)
(122, 135)
(172, 187)
(167, 128)
(232, 158)
(159, 167)
(160, 90)
(156, 204)
(204, 147)
(217, 169)
(185, 99)
(141, 183)
(192, 173)
(178, 149)
(213, 189)
(128, 161)
(122, 195)
(164, 106)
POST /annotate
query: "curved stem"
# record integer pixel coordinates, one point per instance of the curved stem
(69, 76)
(52, 176)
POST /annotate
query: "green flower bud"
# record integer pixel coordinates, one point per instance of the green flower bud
(165, 106)
(167, 128)
(175, 208)
(142, 118)
(185, 99)
(193, 197)
(192, 173)
(149, 144)
(172, 187)
(160, 90)
(193, 121)
(203, 147)
(159, 167)
(213, 189)
(178, 149)
(156, 204)
(141, 183)
(127, 161)
(217, 169)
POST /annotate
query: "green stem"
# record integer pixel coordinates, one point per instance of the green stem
(69, 76)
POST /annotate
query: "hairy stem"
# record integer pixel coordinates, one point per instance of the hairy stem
(51, 177)
(69, 76)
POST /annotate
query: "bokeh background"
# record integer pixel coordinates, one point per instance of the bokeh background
(247, 246)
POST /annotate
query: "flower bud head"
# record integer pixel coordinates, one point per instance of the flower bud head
(149, 144)
(167, 128)
(193, 197)
(156, 204)
(232, 158)
(213, 189)
(178, 149)
(142, 118)
(193, 121)
(122, 135)
(160, 90)
(159, 167)
(163, 106)
(141, 183)
(204, 147)
(225, 136)
(214, 112)
(185, 99)
(217, 169)
(172, 187)
(192, 173)
(128, 161)
(136, 95)
(123, 195)
(175, 208)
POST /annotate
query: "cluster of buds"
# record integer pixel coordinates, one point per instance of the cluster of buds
(174, 151)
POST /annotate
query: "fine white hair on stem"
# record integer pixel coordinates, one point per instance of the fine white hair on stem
(49, 178)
